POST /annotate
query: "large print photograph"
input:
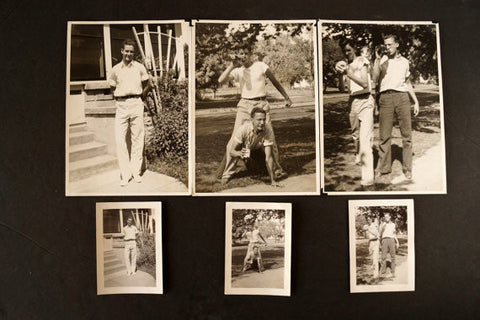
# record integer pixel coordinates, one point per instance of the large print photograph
(255, 108)
(127, 108)
(382, 108)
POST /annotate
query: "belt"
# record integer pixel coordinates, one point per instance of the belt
(360, 96)
(373, 239)
(130, 240)
(256, 98)
(128, 97)
(391, 92)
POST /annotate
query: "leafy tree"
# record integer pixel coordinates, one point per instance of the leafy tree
(271, 222)
(398, 214)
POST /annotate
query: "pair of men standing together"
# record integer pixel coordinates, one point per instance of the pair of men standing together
(391, 72)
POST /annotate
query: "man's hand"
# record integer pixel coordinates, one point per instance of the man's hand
(416, 109)
(277, 184)
(245, 153)
(288, 102)
(397, 245)
(341, 66)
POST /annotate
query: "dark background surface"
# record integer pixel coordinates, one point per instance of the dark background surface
(47, 241)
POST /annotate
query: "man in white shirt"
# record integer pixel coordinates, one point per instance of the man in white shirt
(130, 82)
(251, 76)
(250, 137)
(392, 72)
(388, 233)
(130, 233)
(255, 238)
(373, 235)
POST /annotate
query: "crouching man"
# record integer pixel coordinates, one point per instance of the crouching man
(251, 140)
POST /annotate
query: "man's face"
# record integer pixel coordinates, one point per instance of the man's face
(391, 45)
(244, 57)
(127, 53)
(129, 221)
(259, 121)
(349, 52)
(387, 218)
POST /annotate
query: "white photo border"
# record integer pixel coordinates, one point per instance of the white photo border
(229, 207)
(410, 286)
(317, 131)
(440, 92)
(101, 289)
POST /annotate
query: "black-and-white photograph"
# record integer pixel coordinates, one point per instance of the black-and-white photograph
(256, 108)
(127, 108)
(129, 247)
(382, 254)
(382, 108)
(258, 248)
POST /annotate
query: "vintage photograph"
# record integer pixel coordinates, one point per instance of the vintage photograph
(258, 248)
(256, 108)
(381, 245)
(129, 247)
(382, 108)
(127, 108)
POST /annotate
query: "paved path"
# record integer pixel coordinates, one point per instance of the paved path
(302, 183)
(115, 272)
(108, 183)
(267, 279)
(427, 171)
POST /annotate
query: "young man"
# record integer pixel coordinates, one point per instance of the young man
(253, 252)
(371, 228)
(252, 76)
(130, 82)
(361, 108)
(392, 72)
(389, 243)
(248, 138)
(130, 233)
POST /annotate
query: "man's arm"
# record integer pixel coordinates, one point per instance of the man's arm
(269, 162)
(226, 74)
(362, 80)
(416, 106)
(146, 86)
(237, 151)
(263, 239)
(279, 87)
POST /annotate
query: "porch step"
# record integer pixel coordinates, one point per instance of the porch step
(87, 167)
(87, 150)
(77, 128)
(80, 137)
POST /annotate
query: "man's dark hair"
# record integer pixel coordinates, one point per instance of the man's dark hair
(349, 42)
(393, 36)
(128, 42)
(257, 110)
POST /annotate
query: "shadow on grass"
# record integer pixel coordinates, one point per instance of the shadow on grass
(273, 258)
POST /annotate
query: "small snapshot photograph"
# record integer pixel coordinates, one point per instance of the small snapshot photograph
(382, 253)
(129, 247)
(258, 248)
(256, 108)
(127, 108)
(382, 108)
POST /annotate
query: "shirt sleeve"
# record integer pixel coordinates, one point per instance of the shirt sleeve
(143, 72)
(112, 79)
(234, 74)
(239, 135)
(407, 70)
(263, 66)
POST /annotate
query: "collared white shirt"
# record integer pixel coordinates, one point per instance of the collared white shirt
(389, 230)
(396, 74)
(252, 80)
(130, 232)
(127, 79)
(246, 136)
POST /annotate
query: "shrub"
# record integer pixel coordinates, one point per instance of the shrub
(146, 252)
(169, 137)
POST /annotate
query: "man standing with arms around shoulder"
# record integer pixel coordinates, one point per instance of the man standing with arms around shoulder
(130, 233)
(130, 82)
(392, 72)
(388, 233)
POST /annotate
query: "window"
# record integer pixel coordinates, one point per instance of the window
(111, 221)
(87, 53)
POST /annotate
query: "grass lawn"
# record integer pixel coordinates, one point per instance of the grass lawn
(176, 170)
(341, 173)
(272, 255)
(364, 262)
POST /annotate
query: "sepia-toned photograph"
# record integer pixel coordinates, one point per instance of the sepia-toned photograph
(258, 248)
(382, 254)
(255, 108)
(127, 108)
(129, 247)
(382, 108)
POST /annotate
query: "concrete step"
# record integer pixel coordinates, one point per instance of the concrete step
(115, 274)
(114, 269)
(111, 264)
(85, 168)
(87, 150)
(80, 137)
(77, 128)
